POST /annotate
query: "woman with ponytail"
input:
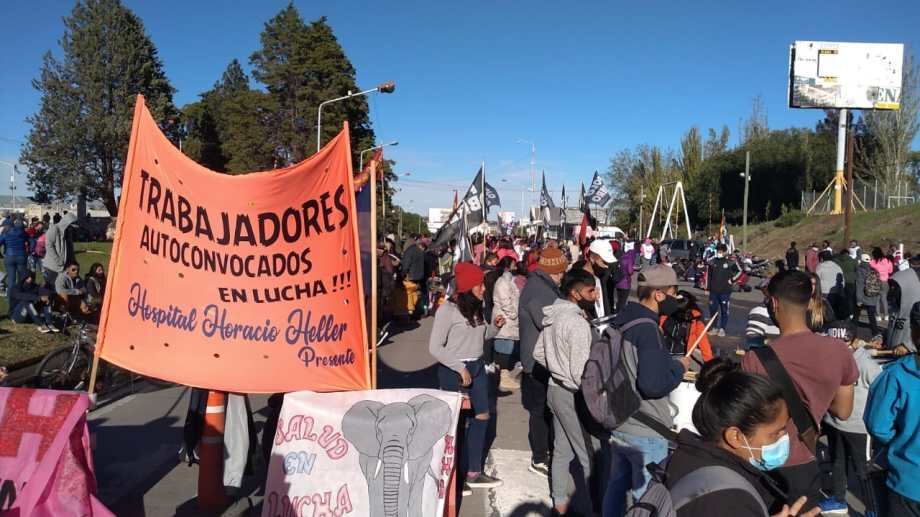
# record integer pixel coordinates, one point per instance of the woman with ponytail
(457, 338)
(741, 419)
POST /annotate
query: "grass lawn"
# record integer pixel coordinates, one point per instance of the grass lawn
(22, 343)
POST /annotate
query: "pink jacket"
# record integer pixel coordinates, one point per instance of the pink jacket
(504, 252)
(884, 268)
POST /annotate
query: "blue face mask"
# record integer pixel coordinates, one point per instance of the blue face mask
(772, 456)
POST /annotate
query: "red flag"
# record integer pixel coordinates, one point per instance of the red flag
(583, 231)
(375, 162)
(362, 177)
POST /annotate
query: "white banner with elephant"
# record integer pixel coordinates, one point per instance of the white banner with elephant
(367, 453)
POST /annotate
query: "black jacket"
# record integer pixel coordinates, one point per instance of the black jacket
(693, 453)
(722, 275)
(23, 292)
(413, 263)
(792, 258)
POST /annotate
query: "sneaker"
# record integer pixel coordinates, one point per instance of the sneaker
(466, 489)
(483, 480)
(507, 381)
(832, 506)
(54, 329)
(43, 329)
(721, 332)
(541, 469)
(713, 332)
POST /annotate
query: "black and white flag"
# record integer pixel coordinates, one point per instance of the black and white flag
(597, 192)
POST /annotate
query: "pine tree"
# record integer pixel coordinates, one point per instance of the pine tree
(301, 66)
(79, 136)
(225, 128)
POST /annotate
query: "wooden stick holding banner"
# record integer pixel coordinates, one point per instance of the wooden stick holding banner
(703, 333)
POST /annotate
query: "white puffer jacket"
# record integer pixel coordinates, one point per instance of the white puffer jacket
(505, 298)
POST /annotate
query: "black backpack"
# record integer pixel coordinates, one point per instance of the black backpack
(609, 394)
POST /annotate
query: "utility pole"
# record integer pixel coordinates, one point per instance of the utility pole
(848, 208)
(641, 203)
(747, 183)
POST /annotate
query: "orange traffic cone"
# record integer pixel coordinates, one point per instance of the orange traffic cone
(211, 494)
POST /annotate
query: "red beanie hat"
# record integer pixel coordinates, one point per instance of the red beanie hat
(468, 276)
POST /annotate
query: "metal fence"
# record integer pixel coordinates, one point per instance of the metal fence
(869, 195)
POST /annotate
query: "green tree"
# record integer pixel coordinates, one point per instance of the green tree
(228, 127)
(301, 66)
(79, 136)
(886, 136)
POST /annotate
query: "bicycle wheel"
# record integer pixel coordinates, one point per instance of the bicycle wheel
(60, 370)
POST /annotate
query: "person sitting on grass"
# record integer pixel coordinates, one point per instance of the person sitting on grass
(70, 291)
(31, 304)
(95, 286)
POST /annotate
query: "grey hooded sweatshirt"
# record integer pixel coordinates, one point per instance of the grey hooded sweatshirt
(564, 343)
(899, 327)
(58, 245)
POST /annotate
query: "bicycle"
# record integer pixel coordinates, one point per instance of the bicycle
(68, 367)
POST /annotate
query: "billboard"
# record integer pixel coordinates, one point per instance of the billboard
(437, 217)
(826, 74)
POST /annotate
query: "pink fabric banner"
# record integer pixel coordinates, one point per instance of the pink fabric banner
(46, 467)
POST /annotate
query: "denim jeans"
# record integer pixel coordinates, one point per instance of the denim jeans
(25, 312)
(478, 391)
(629, 454)
(720, 303)
(15, 270)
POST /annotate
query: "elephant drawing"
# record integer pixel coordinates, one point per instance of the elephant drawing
(395, 444)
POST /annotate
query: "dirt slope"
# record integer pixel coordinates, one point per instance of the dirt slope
(869, 228)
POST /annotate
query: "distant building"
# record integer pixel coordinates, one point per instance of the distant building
(436, 218)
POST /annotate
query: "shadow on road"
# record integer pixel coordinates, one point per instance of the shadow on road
(388, 377)
(123, 444)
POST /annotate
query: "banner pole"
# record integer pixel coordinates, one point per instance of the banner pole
(373, 295)
(139, 107)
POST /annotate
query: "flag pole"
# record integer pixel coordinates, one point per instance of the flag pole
(485, 208)
(373, 329)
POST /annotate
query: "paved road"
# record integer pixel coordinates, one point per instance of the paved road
(137, 437)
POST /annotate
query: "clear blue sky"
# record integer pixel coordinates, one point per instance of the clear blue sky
(581, 80)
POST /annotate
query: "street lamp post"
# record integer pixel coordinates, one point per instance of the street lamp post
(387, 87)
(13, 185)
(361, 158)
(12, 181)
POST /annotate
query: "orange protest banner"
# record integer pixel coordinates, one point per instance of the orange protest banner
(242, 283)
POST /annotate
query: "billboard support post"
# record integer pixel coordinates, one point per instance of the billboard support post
(841, 158)
(849, 207)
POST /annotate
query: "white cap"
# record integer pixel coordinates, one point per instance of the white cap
(602, 248)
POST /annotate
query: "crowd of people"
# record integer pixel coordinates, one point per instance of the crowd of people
(533, 314)
(42, 276)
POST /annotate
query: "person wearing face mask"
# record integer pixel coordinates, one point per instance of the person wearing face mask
(457, 342)
(741, 420)
(599, 262)
(720, 282)
(563, 348)
(636, 444)
(817, 374)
